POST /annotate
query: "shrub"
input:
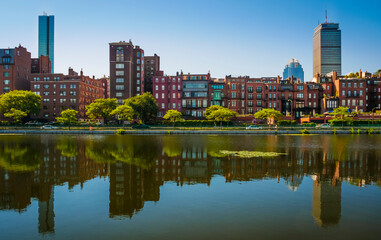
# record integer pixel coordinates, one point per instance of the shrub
(352, 131)
(334, 131)
(358, 131)
(311, 124)
(120, 131)
(286, 122)
(305, 131)
(370, 131)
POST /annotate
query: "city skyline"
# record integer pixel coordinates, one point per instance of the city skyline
(220, 29)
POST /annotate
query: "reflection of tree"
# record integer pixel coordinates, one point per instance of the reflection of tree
(19, 154)
(172, 147)
(68, 146)
(134, 150)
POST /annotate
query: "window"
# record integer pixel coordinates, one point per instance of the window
(138, 61)
(162, 95)
(173, 95)
(138, 75)
(250, 89)
(120, 80)
(173, 105)
(234, 86)
(162, 87)
(62, 93)
(162, 105)
(119, 54)
(119, 94)
(355, 85)
(156, 87)
(6, 74)
(360, 92)
(62, 85)
(46, 100)
(37, 93)
(355, 93)
(62, 100)
(73, 100)
(6, 66)
(138, 54)
(46, 93)
(138, 68)
(36, 79)
(6, 82)
(37, 86)
(234, 95)
(343, 84)
(119, 65)
(259, 89)
(119, 73)
(314, 95)
(73, 86)
(349, 85)
(6, 89)
(138, 89)
(343, 93)
(119, 87)
(349, 93)
(299, 95)
(299, 87)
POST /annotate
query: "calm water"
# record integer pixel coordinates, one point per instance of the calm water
(182, 187)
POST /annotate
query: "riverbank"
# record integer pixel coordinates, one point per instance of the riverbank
(188, 132)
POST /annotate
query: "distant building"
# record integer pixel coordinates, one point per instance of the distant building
(167, 91)
(126, 70)
(60, 92)
(151, 67)
(15, 68)
(327, 49)
(293, 68)
(41, 65)
(46, 37)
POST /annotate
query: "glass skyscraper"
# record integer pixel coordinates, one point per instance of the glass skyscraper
(46, 37)
(293, 68)
(327, 49)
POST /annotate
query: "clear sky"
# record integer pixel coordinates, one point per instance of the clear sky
(237, 37)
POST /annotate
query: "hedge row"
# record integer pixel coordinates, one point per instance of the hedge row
(287, 123)
(354, 122)
(193, 123)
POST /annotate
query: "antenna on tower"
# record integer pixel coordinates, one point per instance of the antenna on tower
(326, 16)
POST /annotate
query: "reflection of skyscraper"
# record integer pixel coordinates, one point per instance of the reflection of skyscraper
(46, 214)
(46, 37)
(326, 203)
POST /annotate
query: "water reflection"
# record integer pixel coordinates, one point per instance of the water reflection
(137, 166)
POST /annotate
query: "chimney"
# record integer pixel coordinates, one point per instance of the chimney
(334, 76)
(93, 77)
(81, 72)
(292, 79)
(277, 79)
(360, 74)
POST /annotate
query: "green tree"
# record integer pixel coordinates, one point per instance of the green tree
(25, 101)
(353, 75)
(341, 114)
(68, 117)
(211, 109)
(173, 116)
(221, 115)
(101, 108)
(15, 114)
(124, 113)
(377, 72)
(144, 106)
(269, 114)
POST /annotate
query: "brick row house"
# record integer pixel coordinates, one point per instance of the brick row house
(167, 90)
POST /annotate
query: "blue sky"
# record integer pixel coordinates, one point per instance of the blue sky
(238, 37)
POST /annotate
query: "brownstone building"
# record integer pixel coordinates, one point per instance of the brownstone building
(126, 70)
(151, 67)
(15, 69)
(41, 65)
(60, 92)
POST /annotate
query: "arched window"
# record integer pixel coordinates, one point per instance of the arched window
(119, 54)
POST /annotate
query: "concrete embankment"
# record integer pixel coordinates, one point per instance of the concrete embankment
(185, 132)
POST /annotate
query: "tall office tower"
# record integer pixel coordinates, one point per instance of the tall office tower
(46, 37)
(293, 68)
(327, 49)
(126, 70)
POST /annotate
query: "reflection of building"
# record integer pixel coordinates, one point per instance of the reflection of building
(326, 203)
(46, 214)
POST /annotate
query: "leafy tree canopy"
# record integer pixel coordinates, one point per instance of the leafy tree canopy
(16, 115)
(68, 117)
(173, 115)
(221, 114)
(144, 106)
(25, 101)
(269, 114)
(101, 108)
(124, 113)
(211, 109)
(340, 113)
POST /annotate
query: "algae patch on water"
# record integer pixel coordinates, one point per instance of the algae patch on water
(250, 154)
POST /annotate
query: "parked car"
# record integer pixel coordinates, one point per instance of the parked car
(253, 127)
(49, 127)
(324, 125)
(140, 126)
